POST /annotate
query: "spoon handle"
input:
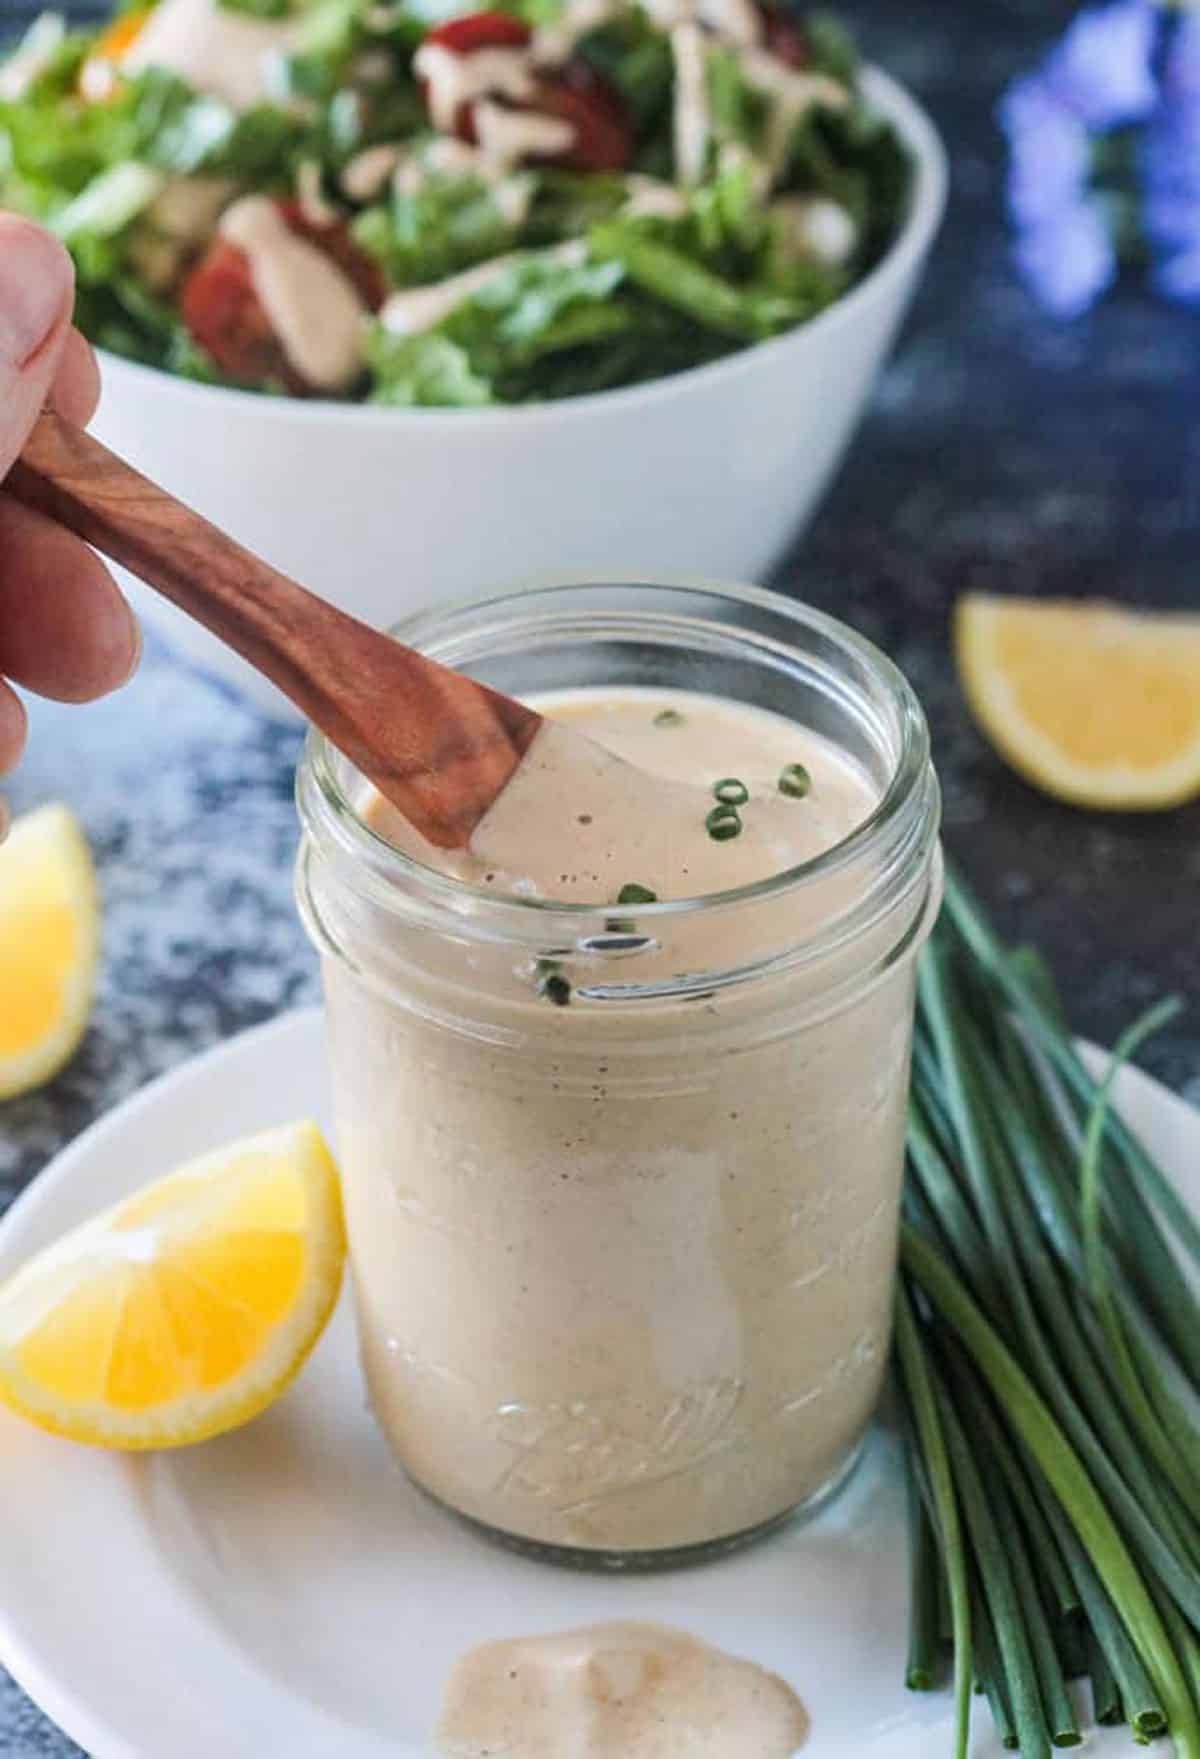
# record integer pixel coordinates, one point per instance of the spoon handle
(439, 745)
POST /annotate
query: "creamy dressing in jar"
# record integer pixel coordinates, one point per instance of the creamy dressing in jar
(632, 802)
(622, 1173)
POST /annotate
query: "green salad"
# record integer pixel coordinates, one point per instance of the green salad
(364, 199)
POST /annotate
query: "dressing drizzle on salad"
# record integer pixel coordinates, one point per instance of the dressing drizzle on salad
(456, 79)
(314, 309)
(487, 209)
(420, 308)
(223, 53)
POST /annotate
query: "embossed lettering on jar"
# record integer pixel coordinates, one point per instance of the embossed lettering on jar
(624, 1266)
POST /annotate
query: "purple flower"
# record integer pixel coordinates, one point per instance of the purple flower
(1068, 261)
(1049, 152)
(1181, 74)
(1102, 69)
(1171, 220)
(1100, 77)
(1170, 152)
(1169, 163)
(1176, 275)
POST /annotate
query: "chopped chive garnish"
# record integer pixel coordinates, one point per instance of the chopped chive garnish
(723, 822)
(551, 984)
(668, 717)
(635, 894)
(794, 781)
(730, 791)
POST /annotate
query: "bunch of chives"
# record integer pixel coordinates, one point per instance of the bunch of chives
(1048, 1365)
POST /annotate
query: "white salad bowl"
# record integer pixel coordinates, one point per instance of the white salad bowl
(385, 510)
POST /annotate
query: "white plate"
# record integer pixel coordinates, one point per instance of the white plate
(283, 1591)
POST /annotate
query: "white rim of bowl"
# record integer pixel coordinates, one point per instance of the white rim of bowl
(891, 99)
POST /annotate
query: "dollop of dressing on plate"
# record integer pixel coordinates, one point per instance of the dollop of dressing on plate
(625, 1690)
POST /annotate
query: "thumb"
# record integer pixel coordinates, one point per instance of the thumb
(36, 290)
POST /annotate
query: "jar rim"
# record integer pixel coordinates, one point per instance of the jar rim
(900, 807)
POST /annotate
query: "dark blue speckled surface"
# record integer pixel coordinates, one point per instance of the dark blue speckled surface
(1002, 451)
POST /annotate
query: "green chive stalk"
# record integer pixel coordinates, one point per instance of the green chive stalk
(924, 1641)
(927, 1422)
(999, 1585)
(1153, 1521)
(1106, 1700)
(991, 1674)
(1032, 1421)
(1169, 1454)
(1043, 1292)
(1050, 1034)
(1061, 1591)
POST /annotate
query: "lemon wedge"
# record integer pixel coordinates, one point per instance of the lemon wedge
(187, 1308)
(1094, 704)
(49, 940)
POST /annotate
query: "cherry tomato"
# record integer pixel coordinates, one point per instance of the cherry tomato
(223, 312)
(785, 36)
(574, 93)
(465, 36)
(603, 134)
(480, 30)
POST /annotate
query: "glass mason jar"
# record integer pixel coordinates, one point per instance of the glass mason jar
(624, 1269)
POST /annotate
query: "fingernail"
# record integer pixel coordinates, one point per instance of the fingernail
(35, 290)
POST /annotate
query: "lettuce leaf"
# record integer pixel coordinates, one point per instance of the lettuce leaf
(450, 223)
(419, 371)
(529, 295)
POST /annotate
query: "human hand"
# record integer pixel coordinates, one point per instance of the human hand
(65, 630)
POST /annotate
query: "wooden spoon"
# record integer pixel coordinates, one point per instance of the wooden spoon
(438, 745)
